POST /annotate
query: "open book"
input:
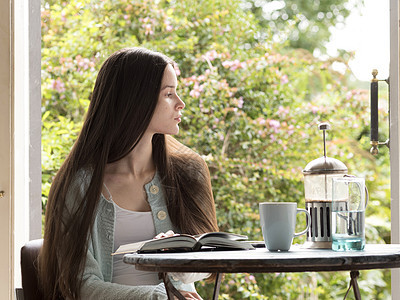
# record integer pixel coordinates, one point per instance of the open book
(186, 242)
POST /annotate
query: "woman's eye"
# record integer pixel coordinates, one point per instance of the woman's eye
(169, 94)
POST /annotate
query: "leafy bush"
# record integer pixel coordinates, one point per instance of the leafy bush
(252, 110)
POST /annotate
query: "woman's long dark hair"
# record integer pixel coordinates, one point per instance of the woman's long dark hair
(123, 101)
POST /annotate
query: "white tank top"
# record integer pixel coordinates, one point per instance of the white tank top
(131, 227)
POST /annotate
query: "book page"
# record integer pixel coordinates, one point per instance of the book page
(224, 235)
(129, 248)
(177, 240)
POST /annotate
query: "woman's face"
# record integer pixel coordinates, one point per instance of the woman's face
(167, 114)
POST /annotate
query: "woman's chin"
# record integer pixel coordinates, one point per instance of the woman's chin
(170, 132)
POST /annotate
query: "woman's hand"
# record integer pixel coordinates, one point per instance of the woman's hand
(189, 277)
(190, 295)
(186, 294)
(163, 235)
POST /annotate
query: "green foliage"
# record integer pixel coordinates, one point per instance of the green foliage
(304, 24)
(252, 109)
(57, 139)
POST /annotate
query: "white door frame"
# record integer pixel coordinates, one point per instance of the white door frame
(20, 126)
(6, 209)
(394, 137)
(26, 126)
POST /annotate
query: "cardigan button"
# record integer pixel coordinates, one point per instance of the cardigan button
(154, 189)
(161, 215)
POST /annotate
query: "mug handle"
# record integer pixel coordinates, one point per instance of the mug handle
(299, 210)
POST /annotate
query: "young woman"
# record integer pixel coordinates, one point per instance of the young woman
(126, 179)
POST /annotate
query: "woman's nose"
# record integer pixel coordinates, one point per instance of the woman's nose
(180, 105)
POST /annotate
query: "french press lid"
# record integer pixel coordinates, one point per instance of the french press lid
(324, 164)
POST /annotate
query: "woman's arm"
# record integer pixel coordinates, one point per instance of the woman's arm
(94, 286)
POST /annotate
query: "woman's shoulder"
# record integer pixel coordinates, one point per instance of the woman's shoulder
(81, 179)
(79, 184)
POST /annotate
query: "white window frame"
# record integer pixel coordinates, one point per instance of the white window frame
(20, 55)
(6, 270)
(394, 137)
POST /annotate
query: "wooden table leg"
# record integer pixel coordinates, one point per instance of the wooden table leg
(353, 283)
(217, 286)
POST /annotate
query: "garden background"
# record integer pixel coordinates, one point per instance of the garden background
(254, 96)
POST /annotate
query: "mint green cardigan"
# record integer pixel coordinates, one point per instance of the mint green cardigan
(98, 270)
